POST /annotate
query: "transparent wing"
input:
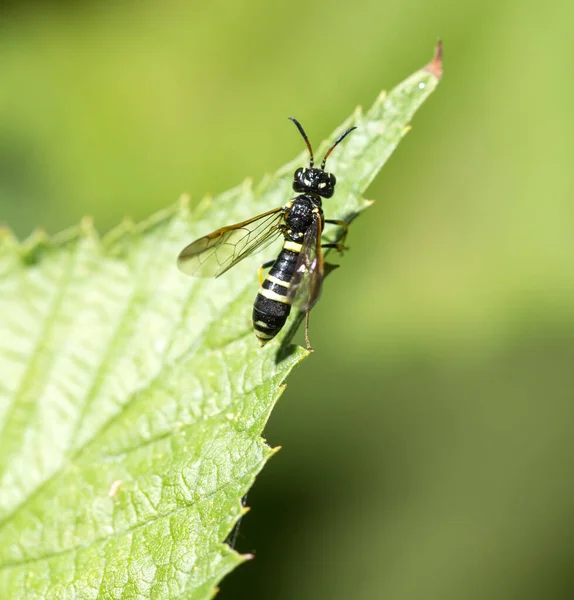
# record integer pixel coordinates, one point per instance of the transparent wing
(213, 254)
(309, 270)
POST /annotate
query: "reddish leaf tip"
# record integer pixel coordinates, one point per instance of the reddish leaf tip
(435, 65)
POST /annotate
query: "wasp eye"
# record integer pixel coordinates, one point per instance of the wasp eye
(298, 173)
(332, 178)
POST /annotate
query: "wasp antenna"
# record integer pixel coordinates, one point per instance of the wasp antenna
(337, 141)
(302, 132)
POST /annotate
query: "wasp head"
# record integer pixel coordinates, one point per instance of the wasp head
(314, 181)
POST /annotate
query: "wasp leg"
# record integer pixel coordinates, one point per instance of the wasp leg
(343, 224)
(309, 349)
(264, 266)
(340, 245)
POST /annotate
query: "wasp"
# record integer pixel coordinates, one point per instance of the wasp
(296, 276)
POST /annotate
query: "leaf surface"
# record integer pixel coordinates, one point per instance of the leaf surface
(133, 398)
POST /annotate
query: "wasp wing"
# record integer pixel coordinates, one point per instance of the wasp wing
(309, 270)
(214, 254)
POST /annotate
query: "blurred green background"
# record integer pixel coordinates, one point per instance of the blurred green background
(427, 444)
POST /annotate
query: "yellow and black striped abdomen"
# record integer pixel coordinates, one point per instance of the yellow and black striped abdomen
(272, 304)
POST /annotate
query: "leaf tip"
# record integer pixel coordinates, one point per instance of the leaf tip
(127, 224)
(39, 234)
(37, 238)
(184, 201)
(5, 232)
(86, 226)
(435, 65)
(275, 450)
(381, 98)
(203, 205)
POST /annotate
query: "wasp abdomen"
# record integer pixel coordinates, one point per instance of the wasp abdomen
(272, 304)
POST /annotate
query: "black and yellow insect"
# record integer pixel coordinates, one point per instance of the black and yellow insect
(296, 276)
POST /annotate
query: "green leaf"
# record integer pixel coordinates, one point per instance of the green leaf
(133, 398)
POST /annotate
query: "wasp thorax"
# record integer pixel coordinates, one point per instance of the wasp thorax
(300, 215)
(314, 181)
